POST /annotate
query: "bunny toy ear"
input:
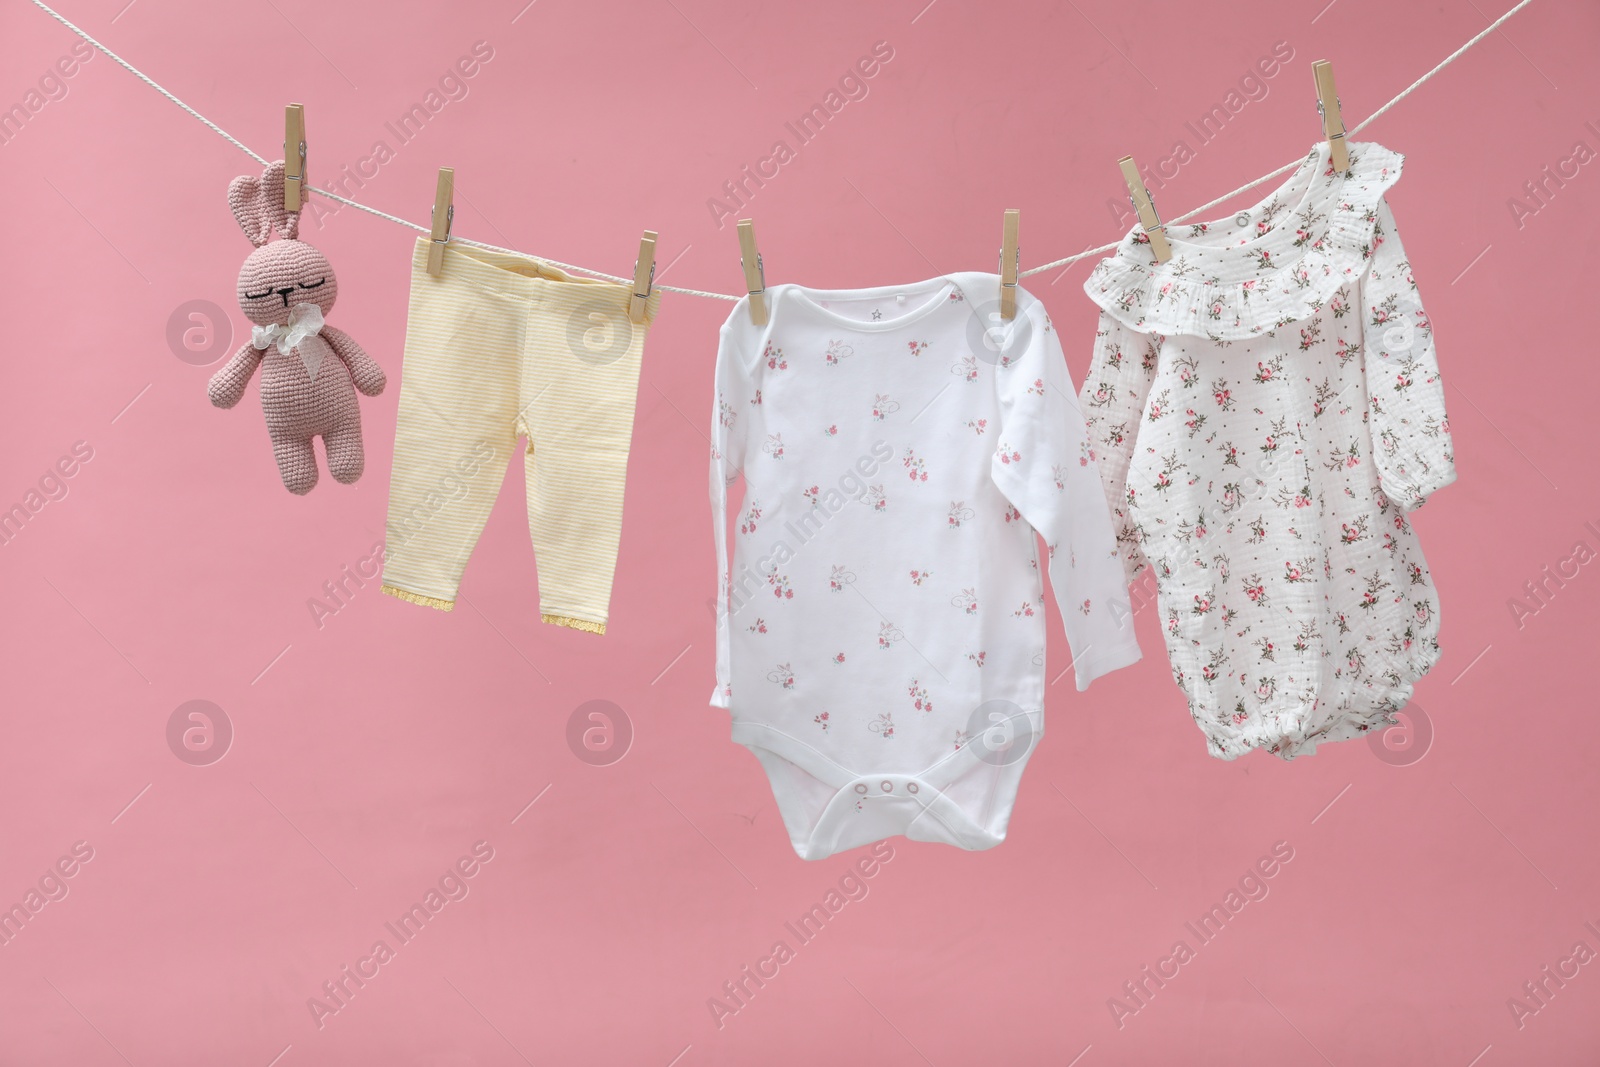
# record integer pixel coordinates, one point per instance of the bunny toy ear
(257, 204)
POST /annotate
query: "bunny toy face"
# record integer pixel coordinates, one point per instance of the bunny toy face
(278, 274)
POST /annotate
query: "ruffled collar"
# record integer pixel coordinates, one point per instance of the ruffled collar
(1275, 263)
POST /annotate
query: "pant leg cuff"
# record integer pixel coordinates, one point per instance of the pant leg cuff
(418, 598)
(586, 625)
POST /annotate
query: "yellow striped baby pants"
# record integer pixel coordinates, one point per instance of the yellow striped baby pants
(500, 346)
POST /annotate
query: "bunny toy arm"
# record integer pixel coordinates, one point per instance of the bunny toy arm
(364, 371)
(227, 385)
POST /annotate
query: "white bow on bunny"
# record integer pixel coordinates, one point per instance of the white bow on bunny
(305, 320)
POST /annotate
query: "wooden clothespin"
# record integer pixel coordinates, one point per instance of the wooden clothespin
(294, 157)
(755, 274)
(1145, 207)
(444, 213)
(644, 276)
(1010, 264)
(1332, 120)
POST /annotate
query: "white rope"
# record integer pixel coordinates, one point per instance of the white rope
(510, 251)
(1286, 168)
(1413, 87)
(137, 73)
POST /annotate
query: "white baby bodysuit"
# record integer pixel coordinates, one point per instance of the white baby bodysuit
(881, 633)
(1266, 408)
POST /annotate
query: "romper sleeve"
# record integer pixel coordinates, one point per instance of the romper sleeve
(1042, 465)
(728, 428)
(1410, 430)
(1113, 398)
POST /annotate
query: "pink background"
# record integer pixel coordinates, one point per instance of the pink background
(372, 752)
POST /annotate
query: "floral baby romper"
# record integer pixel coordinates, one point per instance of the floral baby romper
(1266, 410)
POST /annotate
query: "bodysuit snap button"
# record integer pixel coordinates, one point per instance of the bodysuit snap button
(861, 787)
(911, 787)
(886, 785)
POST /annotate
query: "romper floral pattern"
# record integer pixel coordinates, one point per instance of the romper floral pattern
(1266, 410)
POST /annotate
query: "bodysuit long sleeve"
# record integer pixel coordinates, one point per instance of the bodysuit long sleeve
(1042, 463)
(734, 393)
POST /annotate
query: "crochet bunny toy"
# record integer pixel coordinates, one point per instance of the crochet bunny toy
(285, 287)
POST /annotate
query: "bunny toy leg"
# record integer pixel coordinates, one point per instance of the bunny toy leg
(297, 463)
(227, 385)
(346, 456)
